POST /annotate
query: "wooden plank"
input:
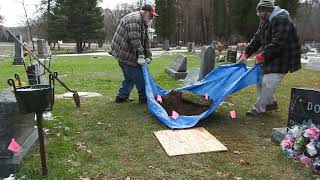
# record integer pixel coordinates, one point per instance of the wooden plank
(188, 141)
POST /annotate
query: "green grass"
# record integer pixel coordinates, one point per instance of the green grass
(117, 140)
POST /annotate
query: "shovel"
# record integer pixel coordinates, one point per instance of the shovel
(76, 96)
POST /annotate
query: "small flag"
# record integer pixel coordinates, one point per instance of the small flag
(14, 146)
(206, 97)
(233, 114)
(159, 98)
(175, 115)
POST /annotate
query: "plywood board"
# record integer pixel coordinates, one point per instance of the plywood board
(188, 141)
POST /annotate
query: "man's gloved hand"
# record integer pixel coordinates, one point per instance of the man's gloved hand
(243, 58)
(259, 58)
(141, 59)
(148, 60)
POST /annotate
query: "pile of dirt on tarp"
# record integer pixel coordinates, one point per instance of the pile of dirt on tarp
(185, 103)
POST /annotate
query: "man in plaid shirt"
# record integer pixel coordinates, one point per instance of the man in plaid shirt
(280, 53)
(131, 47)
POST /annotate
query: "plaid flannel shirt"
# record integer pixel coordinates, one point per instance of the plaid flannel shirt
(131, 39)
(280, 45)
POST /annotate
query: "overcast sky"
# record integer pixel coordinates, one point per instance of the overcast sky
(14, 15)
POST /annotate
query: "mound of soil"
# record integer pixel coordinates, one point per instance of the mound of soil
(185, 103)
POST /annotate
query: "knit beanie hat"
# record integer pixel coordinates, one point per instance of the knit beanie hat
(265, 5)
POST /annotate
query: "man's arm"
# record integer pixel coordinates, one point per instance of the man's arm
(255, 43)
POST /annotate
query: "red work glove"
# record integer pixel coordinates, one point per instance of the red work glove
(259, 58)
(243, 58)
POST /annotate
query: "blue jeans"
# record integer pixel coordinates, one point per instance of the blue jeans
(132, 76)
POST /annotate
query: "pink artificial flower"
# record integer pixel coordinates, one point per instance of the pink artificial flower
(312, 133)
(287, 143)
(305, 160)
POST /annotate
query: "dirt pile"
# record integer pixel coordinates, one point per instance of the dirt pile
(185, 103)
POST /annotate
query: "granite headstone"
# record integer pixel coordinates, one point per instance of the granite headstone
(178, 69)
(304, 106)
(18, 55)
(15, 125)
(43, 50)
(166, 45)
(207, 61)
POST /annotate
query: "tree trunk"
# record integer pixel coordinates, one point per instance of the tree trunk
(79, 46)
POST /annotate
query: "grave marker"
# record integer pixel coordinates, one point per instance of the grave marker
(178, 70)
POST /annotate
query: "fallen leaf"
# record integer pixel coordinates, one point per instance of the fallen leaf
(243, 162)
(237, 178)
(223, 174)
(85, 114)
(89, 151)
(80, 145)
(128, 178)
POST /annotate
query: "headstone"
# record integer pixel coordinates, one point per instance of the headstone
(313, 64)
(191, 47)
(166, 45)
(207, 61)
(15, 125)
(40, 71)
(232, 56)
(214, 44)
(304, 106)
(192, 77)
(43, 50)
(18, 56)
(241, 46)
(178, 70)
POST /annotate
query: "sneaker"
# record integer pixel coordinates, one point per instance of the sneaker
(252, 113)
(272, 107)
(122, 100)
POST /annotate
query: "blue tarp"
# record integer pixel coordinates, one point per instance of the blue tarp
(219, 84)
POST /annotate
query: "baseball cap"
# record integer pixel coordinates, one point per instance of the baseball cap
(150, 8)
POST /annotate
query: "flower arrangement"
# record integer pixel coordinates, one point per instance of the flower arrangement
(302, 143)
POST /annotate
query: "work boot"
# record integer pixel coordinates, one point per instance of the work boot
(122, 100)
(252, 113)
(142, 100)
(272, 107)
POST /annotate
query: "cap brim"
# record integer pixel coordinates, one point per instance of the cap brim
(154, 14)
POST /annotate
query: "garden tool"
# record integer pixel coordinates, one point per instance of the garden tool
(76, 96)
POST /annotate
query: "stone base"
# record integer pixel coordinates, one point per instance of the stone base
(176, 75)
(8, 166)
(17, 61)
(42, 56)
(278, 134)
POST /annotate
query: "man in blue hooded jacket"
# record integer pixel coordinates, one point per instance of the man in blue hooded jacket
(279, 43)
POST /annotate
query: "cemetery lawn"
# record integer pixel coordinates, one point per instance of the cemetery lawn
(105, 140)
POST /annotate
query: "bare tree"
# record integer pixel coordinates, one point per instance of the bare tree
(113, 17)
(307, 20)
(28, 24)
